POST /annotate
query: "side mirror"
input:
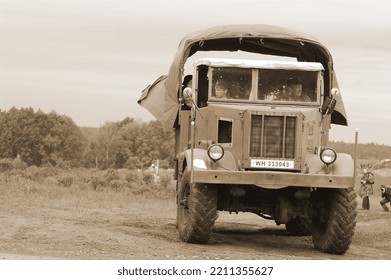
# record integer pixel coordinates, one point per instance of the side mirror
(329, 102)
(188, 97)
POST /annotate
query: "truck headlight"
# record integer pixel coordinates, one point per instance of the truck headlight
(215, 152)
(328, 156)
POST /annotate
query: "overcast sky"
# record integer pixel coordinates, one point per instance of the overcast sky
(90, 59)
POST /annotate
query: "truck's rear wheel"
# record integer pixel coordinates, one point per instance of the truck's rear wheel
(299, 226)
(335, 221)
(196, 210)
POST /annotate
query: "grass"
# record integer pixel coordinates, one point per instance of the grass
(94, 188)
(87, 188)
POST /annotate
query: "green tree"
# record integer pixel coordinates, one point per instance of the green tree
(38, 138)
(63, 141)
(106, 141)
(133, 144)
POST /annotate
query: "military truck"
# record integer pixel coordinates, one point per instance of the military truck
(252, 135)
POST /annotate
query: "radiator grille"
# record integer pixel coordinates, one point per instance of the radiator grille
(273, 136)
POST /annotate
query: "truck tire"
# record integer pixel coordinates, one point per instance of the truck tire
(334, 224)
(299, 226)
(196, 210)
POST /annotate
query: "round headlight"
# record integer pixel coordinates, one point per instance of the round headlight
(215, 152)
(328, 156)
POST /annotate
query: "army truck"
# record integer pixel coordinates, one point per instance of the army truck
(252, 135)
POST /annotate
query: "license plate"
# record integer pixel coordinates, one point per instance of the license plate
(272, 164)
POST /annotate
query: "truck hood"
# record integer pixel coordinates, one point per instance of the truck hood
(161, 97)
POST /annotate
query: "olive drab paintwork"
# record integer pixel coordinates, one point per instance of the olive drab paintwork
(253, 135)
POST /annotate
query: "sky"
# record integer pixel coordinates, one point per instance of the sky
(90, 59)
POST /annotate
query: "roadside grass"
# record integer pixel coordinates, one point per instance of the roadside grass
(82, 188)
(107, 189)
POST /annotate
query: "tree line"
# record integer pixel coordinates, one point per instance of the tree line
(368, 151)
(39, 138)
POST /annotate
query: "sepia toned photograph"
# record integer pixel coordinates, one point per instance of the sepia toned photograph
(195, 130)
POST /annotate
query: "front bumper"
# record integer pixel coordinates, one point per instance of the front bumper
(271, 179)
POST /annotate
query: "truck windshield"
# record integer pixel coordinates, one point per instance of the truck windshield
(231, 83)
(287, 85)
(264, 85)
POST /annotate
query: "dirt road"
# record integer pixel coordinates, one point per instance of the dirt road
(144, 229)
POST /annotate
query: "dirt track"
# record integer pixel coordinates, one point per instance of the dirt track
(145, 230)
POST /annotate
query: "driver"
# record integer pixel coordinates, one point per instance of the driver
(294, 90)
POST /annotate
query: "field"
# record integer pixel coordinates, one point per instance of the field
(88, 214)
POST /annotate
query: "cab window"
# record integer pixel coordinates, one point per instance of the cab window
(230, 83)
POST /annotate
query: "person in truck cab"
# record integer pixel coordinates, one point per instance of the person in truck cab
(221, 89)
(294, 90)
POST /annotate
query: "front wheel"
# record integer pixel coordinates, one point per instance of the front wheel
(196, 210)
(335, 221)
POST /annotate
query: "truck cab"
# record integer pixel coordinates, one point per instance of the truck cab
(271, 117)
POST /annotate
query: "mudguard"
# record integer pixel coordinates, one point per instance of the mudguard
(343, 166)
(202, 161)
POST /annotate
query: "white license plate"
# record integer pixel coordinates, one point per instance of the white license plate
(272, 164)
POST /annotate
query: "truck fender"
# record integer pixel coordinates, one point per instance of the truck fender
(343, 166)
(202, 160)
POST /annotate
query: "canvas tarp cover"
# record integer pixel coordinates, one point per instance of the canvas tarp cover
(161, 97)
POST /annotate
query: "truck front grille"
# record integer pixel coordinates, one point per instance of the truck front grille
(273, 136)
